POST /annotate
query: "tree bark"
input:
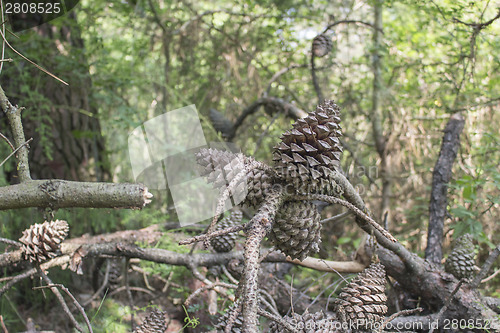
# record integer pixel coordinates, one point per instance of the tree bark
(440, 178)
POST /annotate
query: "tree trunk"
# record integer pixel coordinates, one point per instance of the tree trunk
(61, 119)
(440, 178)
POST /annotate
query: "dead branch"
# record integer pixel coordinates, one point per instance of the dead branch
(13, 114)
(486, 267)
(61, 300)
(64, 194)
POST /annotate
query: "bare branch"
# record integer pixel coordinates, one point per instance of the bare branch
(13, 114)
(486, 267)
(61, 300)
(64, 194)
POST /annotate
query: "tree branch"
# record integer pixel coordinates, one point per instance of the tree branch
(440, 178)
(63, 194)
(13, 114)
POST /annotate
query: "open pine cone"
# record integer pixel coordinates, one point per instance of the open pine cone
(297, 229)
(362, 301)
(221, 167)
(310, 152)
(225, 243)
(461, 261)
(42, 241)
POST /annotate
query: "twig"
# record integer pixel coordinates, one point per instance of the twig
(129, 293)
(78, 306)
(397, 314)
(101, 288)
(217, 233)
(15, 151)
(7, 140)
(31, 62)
(4, 328)
(278, 320)
(447, 303)
(61, 300)
(124, 288)
(486, 267)
(211, 286)
(10, 242)
(492, 276)
(329, 27)
(336, 218)
(357, 211)
(13, 114)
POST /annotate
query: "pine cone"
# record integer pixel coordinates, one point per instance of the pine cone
(296, 230)
(221, 123)
(115, 273)
(317, 322)
(220, 167)
(322, 45)
(461, 261)
(154, 323)
(310, 152)
(224, 320)
(42, 241)
(362, 301)
(225, 243)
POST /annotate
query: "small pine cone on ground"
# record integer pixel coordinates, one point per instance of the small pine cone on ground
(363, 300)
(221, 167)
(317, 322)
(225, 243)
(461, 261)
(322, 45)
(224, 321)
(154, 323)
(309, 154)
(296, 230)
(42, 241)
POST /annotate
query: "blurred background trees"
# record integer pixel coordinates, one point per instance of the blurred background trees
(129, 61)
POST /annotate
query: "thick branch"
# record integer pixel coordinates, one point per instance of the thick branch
(440, 178)
(62, 194)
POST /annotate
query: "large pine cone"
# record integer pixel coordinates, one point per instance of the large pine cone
(154, 323)
(363, 300)
(42, 241)
(461, 261)
(317, 322)
(225, 243)
(296, 230)
(310, 152)
(322, 45)
(220, 167)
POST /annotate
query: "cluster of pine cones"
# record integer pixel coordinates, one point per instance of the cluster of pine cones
(305, 161)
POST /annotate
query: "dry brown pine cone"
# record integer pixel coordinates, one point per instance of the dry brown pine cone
(309, 153)
(42, 241)
(362, 301)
